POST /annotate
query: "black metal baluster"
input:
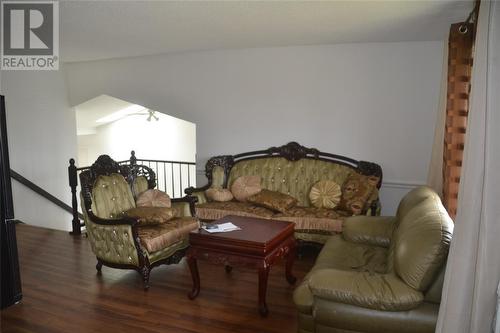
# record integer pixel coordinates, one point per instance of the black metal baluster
(180, 178)
(172, 179)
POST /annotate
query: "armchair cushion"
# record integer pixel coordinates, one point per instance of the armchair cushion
(153, 198)
(157, 237)
(273, 200)
(384, 292)
(151, 215)
(370, 230)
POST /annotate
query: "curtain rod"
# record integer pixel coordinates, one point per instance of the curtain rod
(472, 18)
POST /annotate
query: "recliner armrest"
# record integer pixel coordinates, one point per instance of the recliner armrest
(385, 292)
(371, 230)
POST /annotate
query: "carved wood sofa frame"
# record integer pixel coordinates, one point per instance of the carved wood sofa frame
(105, 165)
(291, 151)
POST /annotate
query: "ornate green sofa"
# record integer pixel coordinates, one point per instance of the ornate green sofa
(383, 274)
(290, 169)
(108, 190)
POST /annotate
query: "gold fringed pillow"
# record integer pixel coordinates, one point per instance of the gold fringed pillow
(153, 198)
(151, 215)
(245, 186)
(273, 200)
(356, 191)
(325, 194)
(219, 194)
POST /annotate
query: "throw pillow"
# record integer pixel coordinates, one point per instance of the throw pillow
(356, 191)
(153, 198)
(219, 194)
(325, 194)
(151, 215)
(245, 186)
(273, 200)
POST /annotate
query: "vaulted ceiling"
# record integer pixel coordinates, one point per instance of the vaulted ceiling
(92, 30)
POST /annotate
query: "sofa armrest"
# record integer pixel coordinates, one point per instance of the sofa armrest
(185, 206)
(371, 230)
(198, 192)
(374, 209)
(385, 292)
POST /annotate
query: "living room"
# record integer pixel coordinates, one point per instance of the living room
(367, 85)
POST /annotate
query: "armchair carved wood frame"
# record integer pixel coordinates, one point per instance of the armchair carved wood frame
(106, 166)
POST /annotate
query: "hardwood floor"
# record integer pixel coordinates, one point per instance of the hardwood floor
(62, 293)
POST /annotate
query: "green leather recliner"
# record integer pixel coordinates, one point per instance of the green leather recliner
(382, 274)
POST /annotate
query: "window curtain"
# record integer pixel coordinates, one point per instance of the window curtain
(435, 173)
(457, 108)
(473, 268)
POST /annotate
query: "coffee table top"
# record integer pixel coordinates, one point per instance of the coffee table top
(256, 235)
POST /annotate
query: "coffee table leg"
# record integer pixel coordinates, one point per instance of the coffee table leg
(292, 253)
(193, 267)
(263, 275)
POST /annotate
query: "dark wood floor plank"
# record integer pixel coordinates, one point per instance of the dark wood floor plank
(63, 293)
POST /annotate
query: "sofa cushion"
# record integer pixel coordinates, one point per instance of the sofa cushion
(325, 194)
(356, 191)
(313, 219)
(153, 198)
(245, 186)
(219, 194)
(151, 215)
(273, 200)
(160, 236)
(216, 210)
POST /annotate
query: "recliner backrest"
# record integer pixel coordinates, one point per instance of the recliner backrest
(412, 198)
(421, 241)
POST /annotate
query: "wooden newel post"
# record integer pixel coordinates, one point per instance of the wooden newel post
(73, 183)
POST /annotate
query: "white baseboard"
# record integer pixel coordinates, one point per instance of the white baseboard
(399, 184)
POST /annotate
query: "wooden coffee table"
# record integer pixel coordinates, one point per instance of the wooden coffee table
(258, 245)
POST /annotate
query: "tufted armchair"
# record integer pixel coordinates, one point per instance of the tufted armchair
(109, 189)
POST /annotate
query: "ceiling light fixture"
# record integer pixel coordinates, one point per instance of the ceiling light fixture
(134, 108)
(152, 115)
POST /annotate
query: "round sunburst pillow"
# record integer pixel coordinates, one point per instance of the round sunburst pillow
(325, 194)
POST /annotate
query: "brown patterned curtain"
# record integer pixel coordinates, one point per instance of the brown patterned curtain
(460, 45)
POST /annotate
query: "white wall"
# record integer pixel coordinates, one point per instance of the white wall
(42, 138)
(169, 138)
(375, 102)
